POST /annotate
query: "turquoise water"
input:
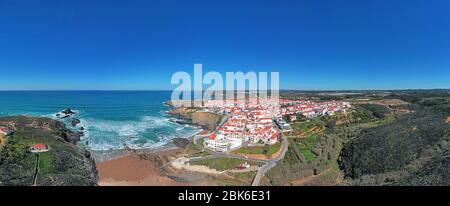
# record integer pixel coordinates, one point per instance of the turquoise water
(110, 118)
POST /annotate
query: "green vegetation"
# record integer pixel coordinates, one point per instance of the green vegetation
(245, 175)
(196, 150)
(221, 163)
(391, 153)
(305, 129)
(306, 152)
(315, 152)
(235, 179)
(409, 150)
(64, 164)
(45, 162)
(268, 150)
(377, 110)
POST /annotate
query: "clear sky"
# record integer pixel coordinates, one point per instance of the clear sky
(314, 44)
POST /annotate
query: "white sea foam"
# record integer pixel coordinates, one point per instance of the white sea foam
(148, 132)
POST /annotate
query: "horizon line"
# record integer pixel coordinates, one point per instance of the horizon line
(168, 90)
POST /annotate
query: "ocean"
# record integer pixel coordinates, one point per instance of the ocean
(112, 119)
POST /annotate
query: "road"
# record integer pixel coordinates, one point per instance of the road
(197, 137)
(269, 164)
(262, 171)
(272, 162)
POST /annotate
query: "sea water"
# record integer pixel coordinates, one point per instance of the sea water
(111, 119)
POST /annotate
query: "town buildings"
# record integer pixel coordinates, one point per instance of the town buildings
(259, 121)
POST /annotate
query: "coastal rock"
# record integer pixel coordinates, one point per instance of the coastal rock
(180, 142)
(65, 163)
(75, 122)
(128, 149)
(207, 120)
(66, 134)
(68, 111)
(65, 114)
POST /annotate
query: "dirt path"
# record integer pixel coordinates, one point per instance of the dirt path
(2, 140)
(36, 170)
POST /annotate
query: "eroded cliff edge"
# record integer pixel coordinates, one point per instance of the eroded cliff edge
(63, 164)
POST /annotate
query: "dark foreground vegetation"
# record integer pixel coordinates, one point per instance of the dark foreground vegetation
(64, 164)
(412, 150)
(387, 138)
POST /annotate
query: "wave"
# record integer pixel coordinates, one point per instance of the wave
(146, 133)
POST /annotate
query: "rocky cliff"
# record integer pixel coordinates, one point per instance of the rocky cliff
(63, 164)
(207, 120)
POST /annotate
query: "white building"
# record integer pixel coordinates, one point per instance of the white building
(219, 143)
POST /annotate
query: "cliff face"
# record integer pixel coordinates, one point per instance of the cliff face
(64, 164)
(207, 120)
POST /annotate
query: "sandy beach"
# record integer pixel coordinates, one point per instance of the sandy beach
(131, 170)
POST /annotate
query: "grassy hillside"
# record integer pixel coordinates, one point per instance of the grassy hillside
(64, 164)
(380, 140)
(412, 150)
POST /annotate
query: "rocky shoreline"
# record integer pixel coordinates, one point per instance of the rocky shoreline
(151, 167)
(192, 116)
(63, 164)
(70, 164)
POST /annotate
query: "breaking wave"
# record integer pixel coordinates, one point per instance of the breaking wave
(146, 133)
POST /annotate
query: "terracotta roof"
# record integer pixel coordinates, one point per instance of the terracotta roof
(213, 136)
(39, 146)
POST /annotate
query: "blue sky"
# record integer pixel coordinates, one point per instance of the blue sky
(314, 44)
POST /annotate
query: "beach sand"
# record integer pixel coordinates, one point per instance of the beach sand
(130, 170)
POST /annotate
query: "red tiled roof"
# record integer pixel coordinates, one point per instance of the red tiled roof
(213, 136)
(39, 146)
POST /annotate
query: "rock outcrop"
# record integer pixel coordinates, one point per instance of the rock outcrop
(180, 142)
(63, 164)
(75, 122)
(207, 120)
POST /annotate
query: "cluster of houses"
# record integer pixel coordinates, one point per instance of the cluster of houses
(311, 109)
(256, 121)
(251, 124)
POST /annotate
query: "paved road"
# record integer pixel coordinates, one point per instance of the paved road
(262, 171)
(197, 137)
(271, 163)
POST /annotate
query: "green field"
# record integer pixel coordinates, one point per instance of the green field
(266, 150)
(309, 156)
(45, 162)
(306, 128)
(221, 163)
